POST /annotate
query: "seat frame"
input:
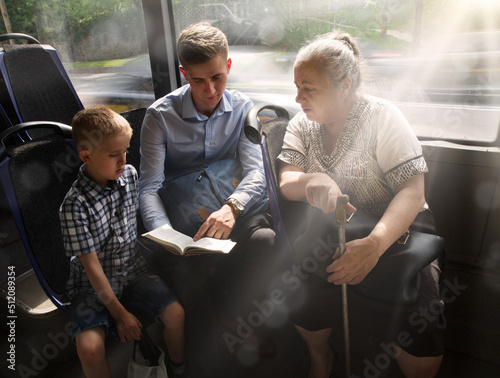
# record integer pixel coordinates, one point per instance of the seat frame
(9, 110)
(9, 190)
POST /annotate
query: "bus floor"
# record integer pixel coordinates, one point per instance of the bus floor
(291, 361)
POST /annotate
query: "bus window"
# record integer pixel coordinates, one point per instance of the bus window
(102, 45)
(436, 59)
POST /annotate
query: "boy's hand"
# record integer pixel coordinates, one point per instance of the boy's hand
(128, 327)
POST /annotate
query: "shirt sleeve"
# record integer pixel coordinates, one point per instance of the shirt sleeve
(399, 152)
(153, 152)
(294, 150)
(253, 182)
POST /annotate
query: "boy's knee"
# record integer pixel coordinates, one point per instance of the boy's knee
(91, 350)
(173, 315)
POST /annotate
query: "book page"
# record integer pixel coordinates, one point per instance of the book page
(213, 244)
(168, 236)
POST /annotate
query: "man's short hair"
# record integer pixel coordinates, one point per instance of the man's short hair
(200, 43)
(92, 125)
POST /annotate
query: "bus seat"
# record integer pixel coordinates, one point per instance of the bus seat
(269, 135)
(34, 85)
(135, 118)
(36, 175)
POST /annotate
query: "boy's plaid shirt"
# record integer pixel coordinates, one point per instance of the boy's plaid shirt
(102, 219)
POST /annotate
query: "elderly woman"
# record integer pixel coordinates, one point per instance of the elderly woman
(344, 142)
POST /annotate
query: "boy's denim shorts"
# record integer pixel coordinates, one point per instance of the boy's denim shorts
(148, 293)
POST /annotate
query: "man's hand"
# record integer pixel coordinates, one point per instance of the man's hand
(218, 225)
(128, 327)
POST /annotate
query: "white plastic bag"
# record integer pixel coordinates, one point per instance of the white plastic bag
(148, 360)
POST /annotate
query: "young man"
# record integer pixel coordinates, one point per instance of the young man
(185, 131)
(99, 227)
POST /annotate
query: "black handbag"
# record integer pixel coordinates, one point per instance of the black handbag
(149, 362)
(148, 348)
(396, 276)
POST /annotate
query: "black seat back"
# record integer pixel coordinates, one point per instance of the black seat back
(135, 118)
(35, 85)
(269, 134)
(36, 176)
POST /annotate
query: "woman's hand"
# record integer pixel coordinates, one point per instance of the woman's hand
(322, 192)
(359, 258)
(318, 189)
(362, 255)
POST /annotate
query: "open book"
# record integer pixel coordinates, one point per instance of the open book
(177, 242)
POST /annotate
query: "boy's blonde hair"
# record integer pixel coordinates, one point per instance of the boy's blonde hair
(200, 43)
(92, 125)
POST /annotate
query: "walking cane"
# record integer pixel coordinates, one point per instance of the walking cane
(340, 213)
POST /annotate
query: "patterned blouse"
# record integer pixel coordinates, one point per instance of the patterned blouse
(375, 153)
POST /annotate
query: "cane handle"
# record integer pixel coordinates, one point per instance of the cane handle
(340, 210)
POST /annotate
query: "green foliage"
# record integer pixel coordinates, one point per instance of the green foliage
(86, 15)
(21, 17)
(300, 30)
(53, 20)
(101, 63)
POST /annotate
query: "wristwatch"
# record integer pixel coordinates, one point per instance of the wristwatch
(236, 205)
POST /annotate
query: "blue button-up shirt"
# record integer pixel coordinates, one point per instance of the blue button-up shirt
(177, 140)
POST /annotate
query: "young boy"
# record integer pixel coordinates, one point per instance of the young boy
(99, 227)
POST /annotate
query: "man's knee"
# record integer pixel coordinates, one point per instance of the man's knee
(261, 245)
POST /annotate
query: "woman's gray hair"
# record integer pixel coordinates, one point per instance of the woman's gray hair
(336, 54)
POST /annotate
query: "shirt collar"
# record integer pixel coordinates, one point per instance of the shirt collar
(90, 186)
(189, 110)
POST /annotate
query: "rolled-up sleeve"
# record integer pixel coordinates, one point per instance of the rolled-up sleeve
(399, 152)
(253, 182)
(293, 150)
(153, 151)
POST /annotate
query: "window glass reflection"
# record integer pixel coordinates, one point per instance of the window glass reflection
(438, 60)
